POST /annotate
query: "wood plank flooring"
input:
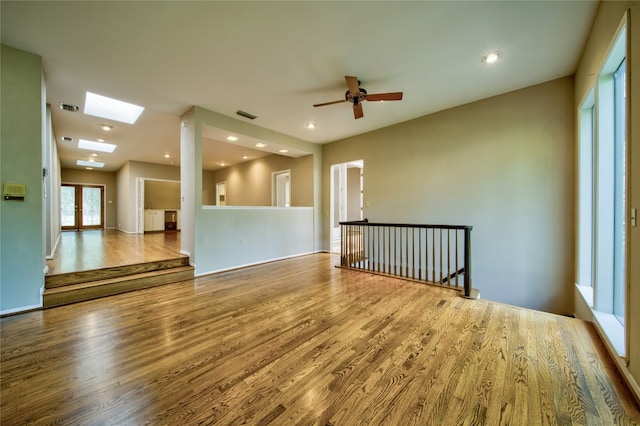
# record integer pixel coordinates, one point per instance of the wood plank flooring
(301, 342)
(94, 249)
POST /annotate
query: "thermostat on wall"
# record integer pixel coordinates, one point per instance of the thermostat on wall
(14, 191)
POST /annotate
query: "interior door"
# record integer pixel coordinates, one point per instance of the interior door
(81, 207)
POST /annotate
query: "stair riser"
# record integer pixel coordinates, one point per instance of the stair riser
(126, 285)
(54, 281)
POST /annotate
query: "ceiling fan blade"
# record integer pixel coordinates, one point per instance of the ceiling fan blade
(330, 103)
(357, 111)
(352, 84)
(393, 96)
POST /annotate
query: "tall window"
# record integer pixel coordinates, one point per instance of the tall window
(602, 174)
(585, 191)
(619, 217)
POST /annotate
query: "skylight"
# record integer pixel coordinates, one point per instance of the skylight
(96, 146)
(85, 163)
(112, 109)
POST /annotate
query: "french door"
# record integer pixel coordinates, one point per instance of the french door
(81, 207)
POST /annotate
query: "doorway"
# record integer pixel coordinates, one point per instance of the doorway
(221, 194)
(347, 186)
(281, 192)
(81, 207)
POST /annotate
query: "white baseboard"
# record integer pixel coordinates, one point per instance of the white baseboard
(125, 232)
(53, 250)
(20, 309)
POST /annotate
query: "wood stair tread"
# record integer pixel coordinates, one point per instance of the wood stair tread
(105, 282)
(70, 278)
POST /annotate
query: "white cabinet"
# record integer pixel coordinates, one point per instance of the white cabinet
(153, 220)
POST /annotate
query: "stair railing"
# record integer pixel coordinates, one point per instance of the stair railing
(434, 254)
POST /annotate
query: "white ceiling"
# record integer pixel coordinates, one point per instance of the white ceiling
(277, 59)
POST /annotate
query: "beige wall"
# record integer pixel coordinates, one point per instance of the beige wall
(108, 179)
(127, 193)
(160, 194)
(122, 203)
(504, 165)
(208, 187)
(604, 28)
(249, 183)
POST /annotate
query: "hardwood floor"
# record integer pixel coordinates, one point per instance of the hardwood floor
(301, 342)
(81, 251)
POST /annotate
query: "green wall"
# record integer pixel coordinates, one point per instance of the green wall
(21, 223)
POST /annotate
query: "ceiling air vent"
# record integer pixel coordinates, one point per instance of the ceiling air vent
(67, 139)
(69, 107)
(246, 115)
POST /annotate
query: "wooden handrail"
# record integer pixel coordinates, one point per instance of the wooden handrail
(365, 222)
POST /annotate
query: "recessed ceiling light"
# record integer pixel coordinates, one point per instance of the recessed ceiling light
(491, 57)
(100, 139)
(113, 109)
(96, 146)
(283, 151)
(221, 163)
(106, 127)
(95, 154)
(232, 138)
(261, 145)
(311, 126)
(167, 156)
(89, 163)
(244, 157)
(89, 168)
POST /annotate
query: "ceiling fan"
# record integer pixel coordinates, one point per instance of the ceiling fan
(355, 94)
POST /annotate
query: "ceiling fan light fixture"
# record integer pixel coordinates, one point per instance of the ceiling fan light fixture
(491, 57)
(356, 95)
